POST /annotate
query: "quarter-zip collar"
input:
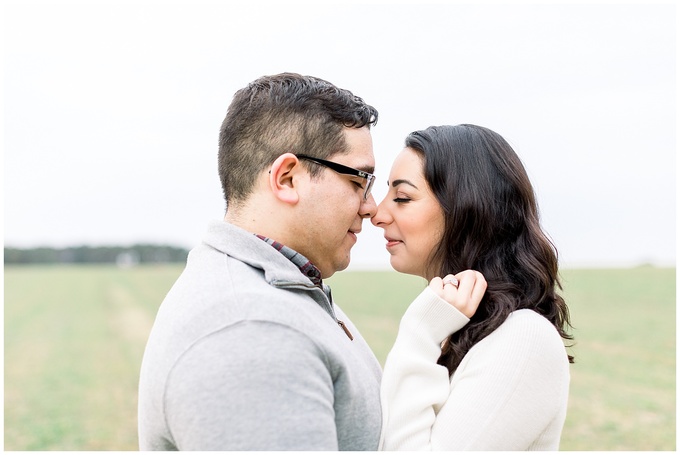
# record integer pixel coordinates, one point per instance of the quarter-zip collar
(279, 270)
(301, 262)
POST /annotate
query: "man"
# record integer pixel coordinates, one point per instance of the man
(248, 350)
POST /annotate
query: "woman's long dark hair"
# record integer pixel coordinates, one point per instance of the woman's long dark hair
(492, 226)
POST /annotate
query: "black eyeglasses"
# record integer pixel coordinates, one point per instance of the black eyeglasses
(342, 169)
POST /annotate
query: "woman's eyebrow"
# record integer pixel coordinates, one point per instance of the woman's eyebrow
(400, 181)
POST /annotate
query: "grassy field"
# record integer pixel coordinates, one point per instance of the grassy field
(74, 338)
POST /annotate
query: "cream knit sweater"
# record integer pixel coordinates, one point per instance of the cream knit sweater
(509, 392)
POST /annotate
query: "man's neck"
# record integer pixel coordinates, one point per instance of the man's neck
(260, 220)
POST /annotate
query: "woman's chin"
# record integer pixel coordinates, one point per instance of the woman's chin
(404, 268)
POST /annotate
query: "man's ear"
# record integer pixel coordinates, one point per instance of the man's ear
(283, 178)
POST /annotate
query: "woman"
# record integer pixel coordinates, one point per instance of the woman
(479, 362)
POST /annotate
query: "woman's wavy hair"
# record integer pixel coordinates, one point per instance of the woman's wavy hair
(492, 226)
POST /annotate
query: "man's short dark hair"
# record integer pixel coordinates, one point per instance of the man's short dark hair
(283, 113)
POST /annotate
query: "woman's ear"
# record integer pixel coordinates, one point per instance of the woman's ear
(283, 178)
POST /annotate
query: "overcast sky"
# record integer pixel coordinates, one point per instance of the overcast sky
(112, 109)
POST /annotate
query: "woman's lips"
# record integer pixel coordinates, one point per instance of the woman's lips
(392, 242)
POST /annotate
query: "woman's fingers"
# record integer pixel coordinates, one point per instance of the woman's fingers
(479, 288)
(472, 283)
(464, 290)
(451, 280)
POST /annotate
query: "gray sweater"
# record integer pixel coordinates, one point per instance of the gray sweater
(247, 354)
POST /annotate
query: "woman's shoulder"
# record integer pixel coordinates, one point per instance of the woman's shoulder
(526, 342)
(528, 330)
(526, 314)
(528, 319)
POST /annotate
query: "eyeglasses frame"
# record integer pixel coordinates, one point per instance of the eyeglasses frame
(346, 170)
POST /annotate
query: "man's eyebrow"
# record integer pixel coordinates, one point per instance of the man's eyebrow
(400, 181)
(369, 169)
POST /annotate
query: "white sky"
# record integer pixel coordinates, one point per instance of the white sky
(112, 109)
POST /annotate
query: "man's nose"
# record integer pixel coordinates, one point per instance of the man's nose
(368, 207)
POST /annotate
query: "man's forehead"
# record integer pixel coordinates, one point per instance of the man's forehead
(359, 151)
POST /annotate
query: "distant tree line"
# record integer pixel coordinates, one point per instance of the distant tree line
(121, 255)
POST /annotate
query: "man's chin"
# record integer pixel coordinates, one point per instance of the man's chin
(338, 267)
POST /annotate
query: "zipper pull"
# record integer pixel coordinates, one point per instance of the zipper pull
(344, 327)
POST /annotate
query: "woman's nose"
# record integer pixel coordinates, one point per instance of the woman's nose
(381, 215)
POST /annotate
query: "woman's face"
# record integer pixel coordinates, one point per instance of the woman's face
(411, 216)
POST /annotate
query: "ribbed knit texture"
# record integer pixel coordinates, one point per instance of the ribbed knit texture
(510, 391)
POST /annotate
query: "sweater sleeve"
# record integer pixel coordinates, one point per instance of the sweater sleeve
(273, 391)
(508, 393)
(414, 386)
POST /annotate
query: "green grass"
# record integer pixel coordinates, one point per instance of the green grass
(623, 383)
(74, 338)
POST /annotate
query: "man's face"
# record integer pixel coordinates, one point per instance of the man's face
(335, 209)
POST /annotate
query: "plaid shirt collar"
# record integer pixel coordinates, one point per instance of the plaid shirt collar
(306, 267)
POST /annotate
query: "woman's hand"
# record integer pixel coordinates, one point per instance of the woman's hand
(464, 290)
